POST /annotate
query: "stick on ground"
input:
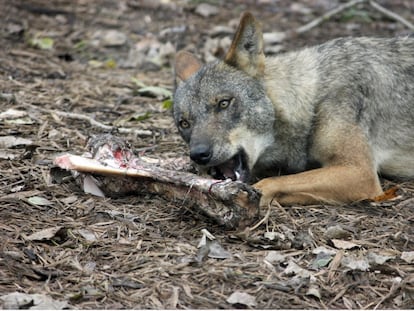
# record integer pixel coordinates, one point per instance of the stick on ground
(328, 15)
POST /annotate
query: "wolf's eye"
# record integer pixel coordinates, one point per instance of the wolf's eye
(224, 103)
(184, 124)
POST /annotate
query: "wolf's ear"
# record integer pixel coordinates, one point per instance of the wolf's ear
(186, 64)
(246, 50)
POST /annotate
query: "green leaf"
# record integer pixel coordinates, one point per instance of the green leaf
(110, 63)
(43, 43)
(141, 117)
(138, 83)
(355, 14)
(80, 45)
(167, 104)
(321, 260)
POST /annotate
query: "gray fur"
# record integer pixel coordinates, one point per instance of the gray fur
(363, 82)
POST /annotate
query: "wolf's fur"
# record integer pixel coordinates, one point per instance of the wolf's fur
(327, 117)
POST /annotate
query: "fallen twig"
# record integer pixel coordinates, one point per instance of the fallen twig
(396, 285)
(319, 20)
(93, 122)
(264, 219)
(327, 16)
(392, 15)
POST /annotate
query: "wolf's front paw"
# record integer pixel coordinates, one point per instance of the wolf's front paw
(268, 189)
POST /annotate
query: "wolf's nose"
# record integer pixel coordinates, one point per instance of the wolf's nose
(201, 154)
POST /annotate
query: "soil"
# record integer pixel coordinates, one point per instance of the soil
(141, 252)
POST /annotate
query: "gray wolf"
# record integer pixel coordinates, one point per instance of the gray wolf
(308, 126)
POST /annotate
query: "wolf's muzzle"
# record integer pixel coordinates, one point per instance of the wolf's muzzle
(201, 154)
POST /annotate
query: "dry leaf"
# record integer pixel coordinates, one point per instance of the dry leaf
(271, 235)
(388, 194)
(87, 235)
(90, 186)
(12, 114)
(295, 270)
(217, 251)
(208, 246)
(18, 300)
(202, 253)
(275, 257)
(354, 263)
(399, 300)
(220, 30)
(69, 200)
(39, 201)
(274, 37)
(206, 236)
(155, 91)
(45, 234)
(341, 244)
(206, 10)
(7, 155)
(11, 141)
(300, 8)
(321, 260)
(323, 249)
(378, 259)
(54, 134)
(336, 232)
(314, 291)
(408, 257)
(242, 298)
(124, 241)
(17, 188)
(89, 267)
(109, 38)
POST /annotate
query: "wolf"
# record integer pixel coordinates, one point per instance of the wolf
(308, 126)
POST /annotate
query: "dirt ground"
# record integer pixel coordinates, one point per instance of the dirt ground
(93, 58)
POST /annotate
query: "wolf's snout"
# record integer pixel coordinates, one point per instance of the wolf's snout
(201, 154)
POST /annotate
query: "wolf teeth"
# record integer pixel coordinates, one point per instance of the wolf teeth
(237, 175)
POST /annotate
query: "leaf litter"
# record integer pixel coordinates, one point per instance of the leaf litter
(18, 300)
(90, 252)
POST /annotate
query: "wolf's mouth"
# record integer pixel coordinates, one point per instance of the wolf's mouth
(236, 168)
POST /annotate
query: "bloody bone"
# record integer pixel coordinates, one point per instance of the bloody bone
(118, 171)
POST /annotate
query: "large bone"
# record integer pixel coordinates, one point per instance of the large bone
(119, 172)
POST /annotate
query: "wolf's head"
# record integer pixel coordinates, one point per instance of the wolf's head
(221, 108)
